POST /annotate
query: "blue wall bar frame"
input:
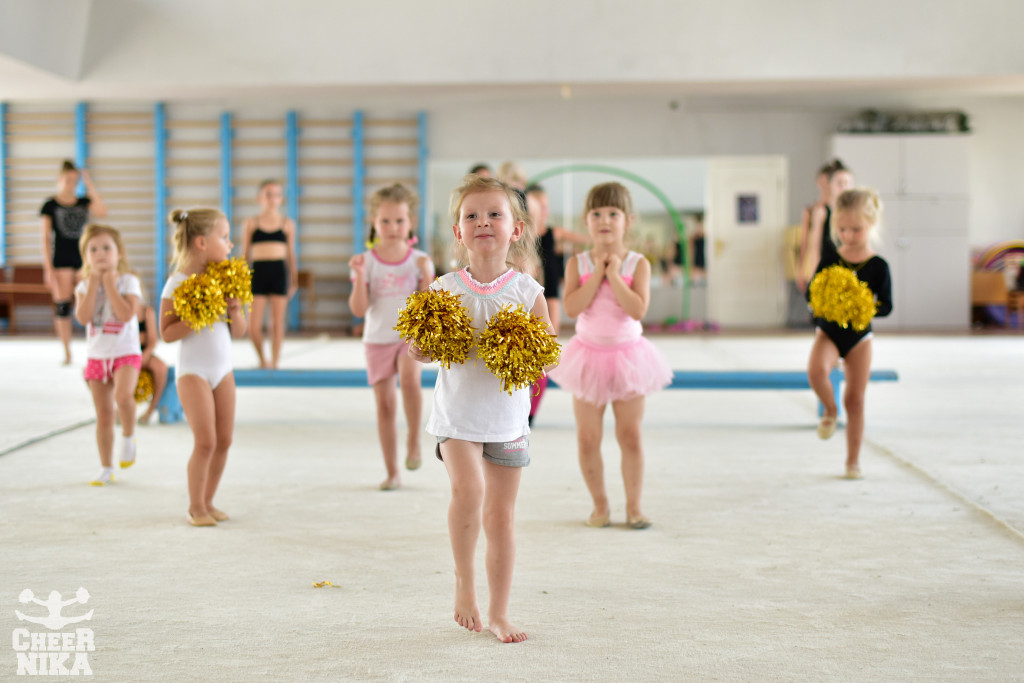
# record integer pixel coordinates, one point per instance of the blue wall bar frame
(81, 143)
(291, 193)
(227, 194)
(358, 184)
(423, 155)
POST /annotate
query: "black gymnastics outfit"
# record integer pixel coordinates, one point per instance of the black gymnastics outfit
(67, 223)
(269, 277)
(828, 247)
(874, 272)
(551, 264)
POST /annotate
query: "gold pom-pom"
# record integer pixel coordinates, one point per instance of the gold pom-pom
(516, 346)
(144, 389)
(838, 295)
(199, 301)
(438, 323)
(235, 278)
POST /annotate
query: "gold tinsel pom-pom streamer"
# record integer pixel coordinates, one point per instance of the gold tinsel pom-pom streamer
(199, 301)
(438, 323)
(144, 389)
(235, 278)
(516, 346)
(838, 295)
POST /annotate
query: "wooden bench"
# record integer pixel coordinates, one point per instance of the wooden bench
(25, 288)
(171, 411)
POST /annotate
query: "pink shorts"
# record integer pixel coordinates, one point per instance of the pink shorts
(102, 369)
(382, 360)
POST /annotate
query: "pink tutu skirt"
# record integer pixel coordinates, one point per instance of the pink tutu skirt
(601, 374)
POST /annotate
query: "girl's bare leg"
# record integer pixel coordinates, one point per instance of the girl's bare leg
(200, 411)
(259, 306)
(386, 395)
(628, 416)
(589, 430)
(824, 356)
(463, 461)
(224, 410)
(278, 310)
(501, 484)
(103, 399)
(64, 289)
(125, 379)
(858, 371)
(412, 402)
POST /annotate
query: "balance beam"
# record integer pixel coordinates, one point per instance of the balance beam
(730, 380)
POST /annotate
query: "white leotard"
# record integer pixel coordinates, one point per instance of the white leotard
(206, 353)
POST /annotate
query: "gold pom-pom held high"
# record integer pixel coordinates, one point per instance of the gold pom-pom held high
(516, 347)
(838, 295)
(199, 301)
(438, 324)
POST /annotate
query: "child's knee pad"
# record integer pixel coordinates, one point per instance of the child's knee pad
(63, 309)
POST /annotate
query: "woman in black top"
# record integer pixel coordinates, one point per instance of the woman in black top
(63, 218)
(856, 215)
(820, 241)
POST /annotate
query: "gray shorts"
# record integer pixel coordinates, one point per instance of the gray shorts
(506, 453)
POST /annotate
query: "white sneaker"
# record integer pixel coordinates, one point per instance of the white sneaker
(128, 452)
(106, 476)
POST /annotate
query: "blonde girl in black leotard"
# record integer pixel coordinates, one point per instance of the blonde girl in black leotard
(856, 216)
(268, 243)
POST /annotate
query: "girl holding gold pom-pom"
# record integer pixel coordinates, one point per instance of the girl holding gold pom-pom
(204, 377)
(856, 215)
(482, 430)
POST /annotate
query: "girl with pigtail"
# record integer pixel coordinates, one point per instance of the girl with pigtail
(204, 375)
(382, 277)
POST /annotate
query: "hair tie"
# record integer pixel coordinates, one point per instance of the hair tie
(184, 216)
(413, 241)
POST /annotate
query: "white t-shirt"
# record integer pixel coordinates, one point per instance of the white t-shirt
(469, 403)
(106, 336)
(390, 285)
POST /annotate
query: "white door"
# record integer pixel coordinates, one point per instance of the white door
(746, 213)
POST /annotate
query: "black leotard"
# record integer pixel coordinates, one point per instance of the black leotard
(551, 264)
(874, 272)
(828, 247)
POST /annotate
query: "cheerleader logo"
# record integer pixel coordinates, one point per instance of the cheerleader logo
(54, 652)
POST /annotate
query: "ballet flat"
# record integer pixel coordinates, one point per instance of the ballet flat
(640, 522)
(827, 427)
(599, 521)
(202, 520)
(219, 515)
(853, 473)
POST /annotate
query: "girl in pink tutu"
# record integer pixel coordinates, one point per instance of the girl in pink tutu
(607, 290)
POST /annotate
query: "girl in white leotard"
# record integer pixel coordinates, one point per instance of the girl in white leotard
(206, 384)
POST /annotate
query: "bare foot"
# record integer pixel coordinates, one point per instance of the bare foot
(505, 631)
(467, 614)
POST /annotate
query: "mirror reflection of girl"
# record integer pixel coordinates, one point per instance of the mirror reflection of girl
(268, 243)
(64, 215)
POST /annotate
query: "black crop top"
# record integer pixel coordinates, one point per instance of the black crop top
(259, 235)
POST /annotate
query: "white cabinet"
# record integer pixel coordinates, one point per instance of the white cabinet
(923, 183)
